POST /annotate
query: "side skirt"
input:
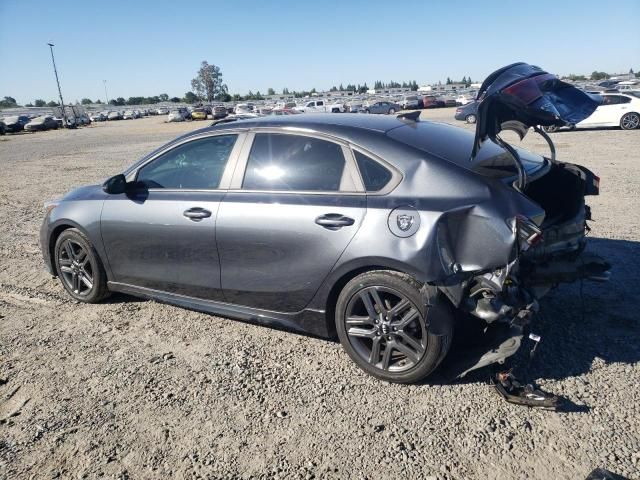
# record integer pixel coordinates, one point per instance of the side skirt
(306, 321)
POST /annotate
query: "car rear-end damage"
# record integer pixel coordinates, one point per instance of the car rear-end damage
(499, 256)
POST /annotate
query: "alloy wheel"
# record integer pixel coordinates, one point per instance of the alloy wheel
(75, 267)
(630, 121)
(386, 329)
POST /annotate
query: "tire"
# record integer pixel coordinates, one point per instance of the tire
(77, 264)
(416, 304)
(550, 128)
(392, 111)
(471, 118)
(630, 121)
(367, 111)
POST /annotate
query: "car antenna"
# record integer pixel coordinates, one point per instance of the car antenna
(413, 116)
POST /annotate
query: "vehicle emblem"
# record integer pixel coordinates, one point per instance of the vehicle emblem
(404, 222)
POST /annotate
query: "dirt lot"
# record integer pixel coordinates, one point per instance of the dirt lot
(137, 389)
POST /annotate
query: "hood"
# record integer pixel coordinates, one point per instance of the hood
(520, 96)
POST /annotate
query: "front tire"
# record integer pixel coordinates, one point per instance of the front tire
(471, 118)
(383, 321)
(392, 111)
(630, 121)
(79, 267)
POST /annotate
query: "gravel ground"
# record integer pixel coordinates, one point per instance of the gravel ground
(137, 389)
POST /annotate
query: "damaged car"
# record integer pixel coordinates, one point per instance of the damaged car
(383, 231)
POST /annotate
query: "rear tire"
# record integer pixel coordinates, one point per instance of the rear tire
(392, 111)
(79, 267)
(630, 121)
(550, 128)
(471, 118)
(383, 321)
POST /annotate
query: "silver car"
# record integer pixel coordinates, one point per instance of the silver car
(383, 231)
(382, 107)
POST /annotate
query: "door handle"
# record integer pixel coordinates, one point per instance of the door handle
(333, 221)
(197, 213)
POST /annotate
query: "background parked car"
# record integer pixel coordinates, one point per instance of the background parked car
(114, 116)
(431, 101)
(46, 122)
(3, 128)
(199, 114)
(219, 111)
(98, 117)
(382, 107)
(176, 116)
(16, 123)
(162, 111)
(411, 102)
(617, 110)
(467, 113)
(129, 115)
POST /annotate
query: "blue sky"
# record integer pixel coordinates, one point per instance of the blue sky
(151, 47)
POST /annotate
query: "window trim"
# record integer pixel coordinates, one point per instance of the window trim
(350, 162)
(225, 180)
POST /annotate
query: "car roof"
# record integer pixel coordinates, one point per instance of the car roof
(321, 122)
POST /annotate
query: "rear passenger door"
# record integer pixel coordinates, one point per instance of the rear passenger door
(295, 202)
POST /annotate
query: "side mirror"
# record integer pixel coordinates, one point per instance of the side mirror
(115, 185)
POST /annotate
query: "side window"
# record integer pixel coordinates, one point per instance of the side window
(611, 100)
(320, 104)
(295, 163)
(374, 175)
(625, 100)
(198, 164)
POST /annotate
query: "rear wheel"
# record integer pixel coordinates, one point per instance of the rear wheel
(392, 111)
(630, 121)
(382, 320)
(471, 118)
(79, 267)
(550, 128)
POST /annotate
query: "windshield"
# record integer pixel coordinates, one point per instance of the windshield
(454, 144)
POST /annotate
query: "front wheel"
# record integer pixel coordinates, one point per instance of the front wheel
(382, 320)
(550, 128)
(392, 111)
(79, 267)
(471, 118)
(630, 121)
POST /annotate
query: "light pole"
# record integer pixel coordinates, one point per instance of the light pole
(105, 92)
(53, 60)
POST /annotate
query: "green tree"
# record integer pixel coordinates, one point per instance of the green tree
(595, 75)
(28, 105)
(52, 104)
(98, 102)
(449, 82)
(190, 97)
(40, 103)
(208, 82)
(175, 100)
(285, 91)
(163, 97)
(86, 101)
(8, 102)
(271, 91)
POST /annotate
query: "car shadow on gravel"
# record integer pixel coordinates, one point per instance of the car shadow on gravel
(583, 326)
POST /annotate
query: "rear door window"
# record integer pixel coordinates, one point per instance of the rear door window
(282, 162)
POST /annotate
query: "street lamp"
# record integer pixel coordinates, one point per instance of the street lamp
(53, 60)
(105, 91)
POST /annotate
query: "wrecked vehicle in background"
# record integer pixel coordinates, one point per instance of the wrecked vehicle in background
(384, 230)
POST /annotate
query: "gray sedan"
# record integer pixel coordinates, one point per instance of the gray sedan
(382, 107)
(379, 231)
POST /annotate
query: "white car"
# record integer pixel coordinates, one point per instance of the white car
(320, 106)
(464, 99)
(617, 110)
(176, 116)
